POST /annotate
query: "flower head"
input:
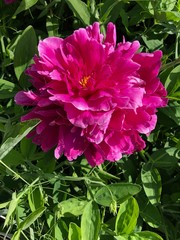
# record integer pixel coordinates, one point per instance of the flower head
(93, 97)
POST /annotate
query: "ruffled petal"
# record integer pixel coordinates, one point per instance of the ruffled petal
(26, 98)
(91, 96)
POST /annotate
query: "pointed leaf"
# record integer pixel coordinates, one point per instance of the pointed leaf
(81, 10)
(150, 213)
(32, 218)
(74, 232)
(25, 49)
(10, 143)
(35, 198)
(6, 89)
(16, 235)
(145, 235)
(151, 180)
(173, 81)
(90, 222)
(12, 207)
(107, 8)
(127, 217)
(24, 5)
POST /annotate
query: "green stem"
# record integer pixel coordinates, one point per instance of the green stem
(89, 189)
(171, 64)
(15, 173)
(177, 46)
(142, 154)
(174, 139)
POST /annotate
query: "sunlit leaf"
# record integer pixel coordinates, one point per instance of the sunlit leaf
(173, 81)
(74, 232)
(165, 16)
(35, 198)
(90, 222)
(12, 207)
(32, 218)
(145, 235)
(107, 9)
(70, 207)
(6, 89)
(127, 217)
(81, 10)
(16, 235)
(26, 127)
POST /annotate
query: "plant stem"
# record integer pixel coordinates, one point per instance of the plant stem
(177, 46)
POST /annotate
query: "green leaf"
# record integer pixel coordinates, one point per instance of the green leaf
(71, 207)
(152, 42)
(24, 5)
(165, 158)
(106, 175)
(122, 238)
(173, 81)
(48, 163)
(52, 26)
(170, 115)
(175, 96)
(74, 232)
(107, 9)
(35, 198)
(10, 143)
(81, 10)
(118, 192)
(4, 205)
(27, 148)
(32, 218)
(25, 49)
(151, 180)
(167, 5)
(149, 212)
(6, 89)
(166, 16)
(127, 217)
(54, 226)
(12, 207)
(145, 235)
(90, 222)
(13, 158)
(178, 5)
(147, 6)
(16, 235)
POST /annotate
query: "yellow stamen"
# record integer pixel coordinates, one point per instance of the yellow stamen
(84, 81)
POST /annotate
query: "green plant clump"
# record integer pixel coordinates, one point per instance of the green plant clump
(135, 198)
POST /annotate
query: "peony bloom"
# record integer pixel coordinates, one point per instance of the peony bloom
(9, 1)
(93, 97)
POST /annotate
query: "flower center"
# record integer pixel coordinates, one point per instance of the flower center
(84, 81)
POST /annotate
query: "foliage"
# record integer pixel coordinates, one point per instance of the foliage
(135, 198)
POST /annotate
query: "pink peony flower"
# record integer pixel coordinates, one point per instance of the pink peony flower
(9, 1)
(93, 97)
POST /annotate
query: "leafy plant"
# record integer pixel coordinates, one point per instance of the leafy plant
(136, 197)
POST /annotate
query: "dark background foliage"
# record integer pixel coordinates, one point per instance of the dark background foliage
(137, 197)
